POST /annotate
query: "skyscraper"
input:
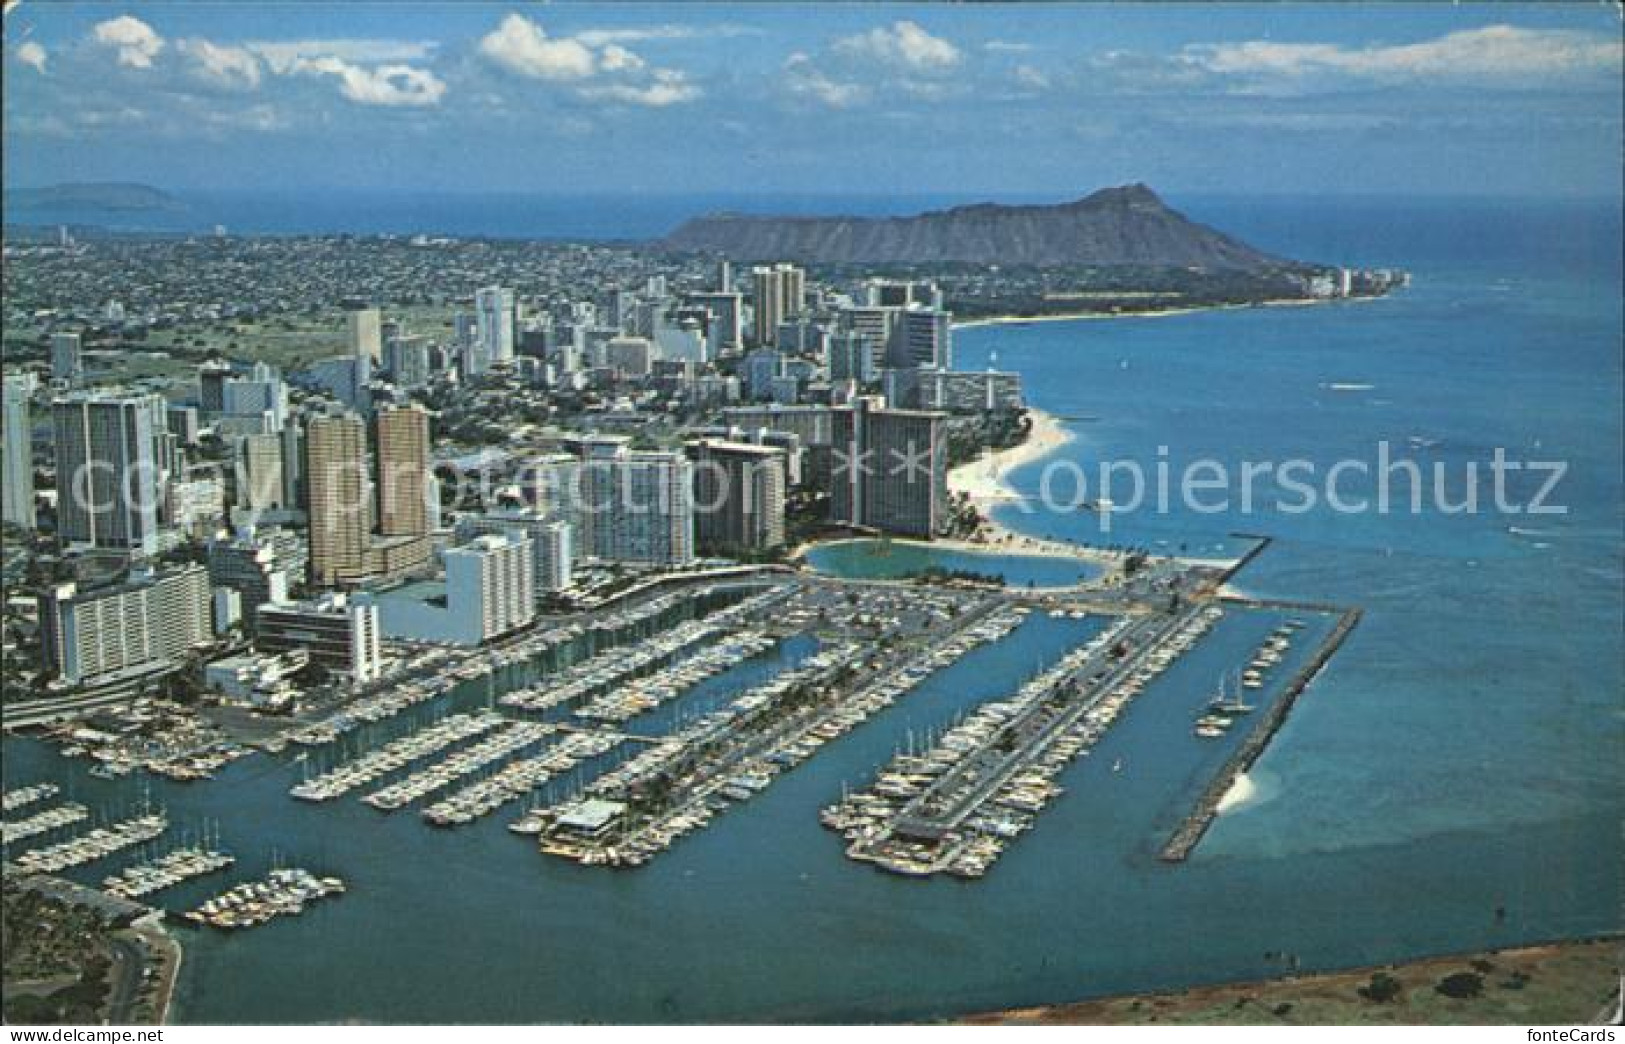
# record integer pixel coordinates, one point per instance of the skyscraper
(494, 318)
(67, 363)
(739, 491)
(923, 338)
(17, 492)
(492, 578)
(260, 484)
(403, 471)
(551, 544)
(261, 392)
(780, 292)
(211, 385)
(336, 480)
(366, 333)
(891, 469)
(108, 478)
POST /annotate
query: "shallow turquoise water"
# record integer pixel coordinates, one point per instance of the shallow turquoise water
(1462, 753)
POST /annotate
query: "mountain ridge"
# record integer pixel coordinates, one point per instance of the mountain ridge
(1124, 225)
(92, 195)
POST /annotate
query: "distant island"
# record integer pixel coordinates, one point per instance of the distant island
(91, 196)
(1116, 251)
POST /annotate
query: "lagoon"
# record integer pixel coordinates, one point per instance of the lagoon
(903, 559)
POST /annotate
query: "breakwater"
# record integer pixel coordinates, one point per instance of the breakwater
(1195, 824)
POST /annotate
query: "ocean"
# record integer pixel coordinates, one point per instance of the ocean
(1453, 781)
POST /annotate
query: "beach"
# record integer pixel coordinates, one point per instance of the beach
(982, 481)
(1156, 313)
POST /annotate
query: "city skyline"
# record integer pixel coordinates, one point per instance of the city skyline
(1426, 99)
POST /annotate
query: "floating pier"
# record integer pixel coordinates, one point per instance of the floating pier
(43, 822)
(954, 807)
(395, 755)
(284, 892)
(97, 844)
(169, 870)
(12, 800)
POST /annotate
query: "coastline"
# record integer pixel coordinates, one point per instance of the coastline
(1574, 981)
(1157, 313)
(983, 484)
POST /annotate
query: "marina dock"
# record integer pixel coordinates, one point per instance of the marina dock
(96, 844)
(954, 807)
(507, 741)
(285, 892)
(12, 800)
(396, 755)
(166, 871)
(42, 822)
(519, 778)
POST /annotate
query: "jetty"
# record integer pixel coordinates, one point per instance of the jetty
(1195, 824)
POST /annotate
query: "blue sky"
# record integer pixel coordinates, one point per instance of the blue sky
(775, 98)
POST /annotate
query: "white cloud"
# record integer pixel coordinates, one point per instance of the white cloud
(1030, 76)
(31, 54)
(136, 42)
(805, 80)
(283, 55)
(655, 95)
(521, 46)
(598, 68)
(222, 65)
(904, 44)
(639, 34)
(393, 86)
(616, 58)
(1494, 54)
(1007, 46)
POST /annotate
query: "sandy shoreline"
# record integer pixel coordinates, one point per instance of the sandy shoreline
(982, 481)
(1153, 313)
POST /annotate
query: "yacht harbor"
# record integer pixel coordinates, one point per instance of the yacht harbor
(93, 845)
(416, 746)
(183, 864)
(22, 797)
(507, 741)
(42, 822)
(284, 892)
(676, 786)
(954, 807)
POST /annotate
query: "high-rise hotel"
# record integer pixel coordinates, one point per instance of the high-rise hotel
(341, 489)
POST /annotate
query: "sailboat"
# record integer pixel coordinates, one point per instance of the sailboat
(1229, 702)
